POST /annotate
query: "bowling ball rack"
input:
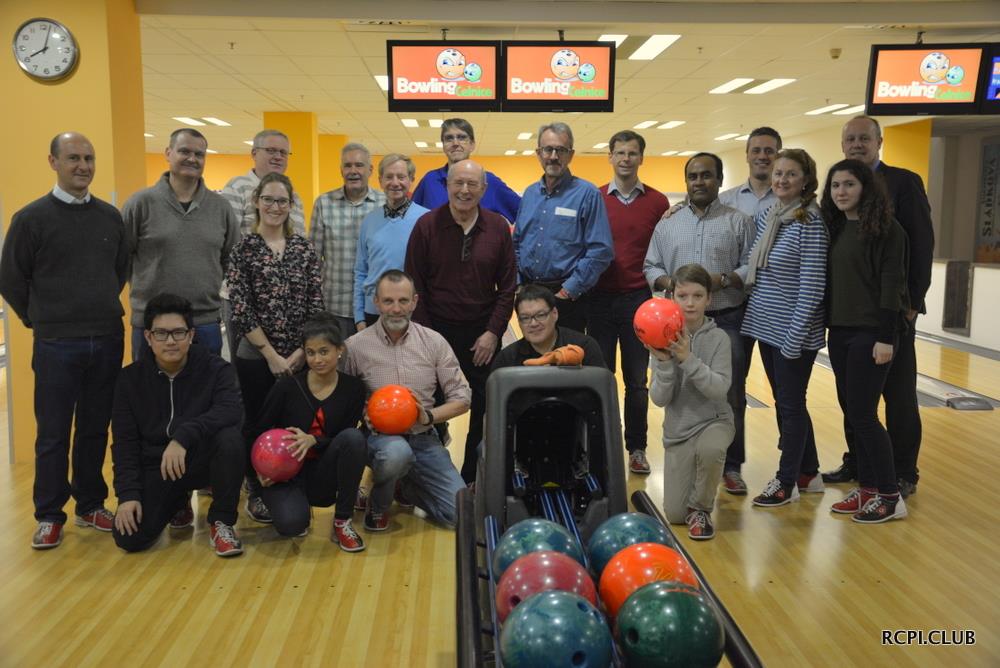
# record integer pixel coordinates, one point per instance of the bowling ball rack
(543, 418)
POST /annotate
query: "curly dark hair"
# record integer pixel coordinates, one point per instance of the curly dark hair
(874, 209)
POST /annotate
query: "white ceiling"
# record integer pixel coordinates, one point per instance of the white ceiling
(236, 67)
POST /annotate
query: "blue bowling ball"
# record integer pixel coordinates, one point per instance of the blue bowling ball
(618, 532)
(555, 628)
(533, 535)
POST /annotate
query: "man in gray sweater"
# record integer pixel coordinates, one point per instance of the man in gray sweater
(180, 234)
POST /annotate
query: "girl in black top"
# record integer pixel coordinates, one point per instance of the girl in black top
(322, 407)
(866, 299)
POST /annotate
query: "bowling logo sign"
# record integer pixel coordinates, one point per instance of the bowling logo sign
(545, 73)
(435, 72)
(926, 75)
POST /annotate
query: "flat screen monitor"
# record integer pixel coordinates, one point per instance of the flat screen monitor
(559, 76)
(925, 79)
(990, 102)
(426, 75)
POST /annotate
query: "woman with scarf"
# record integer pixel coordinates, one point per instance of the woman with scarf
(866, 300)
(787, 280)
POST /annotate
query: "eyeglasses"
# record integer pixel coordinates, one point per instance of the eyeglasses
(274, 151)
(466, 247)
(536, 317)
(162, 335)
(561, 151)
(282, 202)
(459, 139)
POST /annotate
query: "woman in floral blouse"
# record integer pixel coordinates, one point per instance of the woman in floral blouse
(274, 285)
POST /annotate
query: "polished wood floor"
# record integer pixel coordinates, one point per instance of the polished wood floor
(807, 587)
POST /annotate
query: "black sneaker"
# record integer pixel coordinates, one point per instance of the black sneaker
(906, 488)
(881, 509)
(775, 494)
(843, 473)
(257, 510)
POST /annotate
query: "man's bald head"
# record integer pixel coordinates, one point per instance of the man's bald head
(55, 146)
(71, 157)
(466, 185)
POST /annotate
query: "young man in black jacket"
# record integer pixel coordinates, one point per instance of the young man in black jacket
(176, 428)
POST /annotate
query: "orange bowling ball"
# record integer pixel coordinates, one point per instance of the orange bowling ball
(392, 409)
(638, 565)
(658, 321)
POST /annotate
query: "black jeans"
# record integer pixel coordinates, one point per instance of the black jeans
(74, 383)
(609, 322)
(902, 412)
(332, 478)
(789, 379)
(859, 383)
(256, 380)
(217, 462)
(461, 338)
(741, 347)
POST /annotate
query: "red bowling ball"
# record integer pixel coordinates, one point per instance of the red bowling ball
(392, 409)
(542, 571)
(271, 457)
(658, 321)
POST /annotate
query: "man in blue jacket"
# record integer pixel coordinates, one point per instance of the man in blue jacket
(176, 428)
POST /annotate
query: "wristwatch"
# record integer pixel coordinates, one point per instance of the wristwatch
(723, 281)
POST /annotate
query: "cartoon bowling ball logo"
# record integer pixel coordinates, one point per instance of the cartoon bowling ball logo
(451, 64)
(934, 67)
(473, 72)
(955, 75)
(587, 72)
(565, 64)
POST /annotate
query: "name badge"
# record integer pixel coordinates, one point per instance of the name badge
(563, 211)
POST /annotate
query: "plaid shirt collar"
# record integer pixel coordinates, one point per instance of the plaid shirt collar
(399, 211)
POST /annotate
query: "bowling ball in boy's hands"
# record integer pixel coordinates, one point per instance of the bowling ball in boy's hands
(271, 457)
(658, 321)
(392, 409)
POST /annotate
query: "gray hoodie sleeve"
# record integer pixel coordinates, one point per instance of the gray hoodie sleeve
(713, 375)
(663, 386)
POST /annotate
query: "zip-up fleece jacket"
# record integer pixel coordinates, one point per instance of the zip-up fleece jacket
(694, 393)
(151, 409)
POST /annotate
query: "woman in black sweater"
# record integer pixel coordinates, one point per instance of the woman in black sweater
(866, 300)
(322, 408)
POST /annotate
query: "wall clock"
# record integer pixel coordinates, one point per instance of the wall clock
(45, 49)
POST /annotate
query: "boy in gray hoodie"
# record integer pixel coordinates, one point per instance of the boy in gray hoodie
(690, 379)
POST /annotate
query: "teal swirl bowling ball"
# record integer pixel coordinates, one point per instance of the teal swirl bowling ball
(555, 628)
(618, 532)
(533, 535)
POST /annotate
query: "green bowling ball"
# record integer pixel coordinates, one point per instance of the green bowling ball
(668, 624)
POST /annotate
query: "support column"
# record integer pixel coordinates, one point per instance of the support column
(303, 167)
(909, 146)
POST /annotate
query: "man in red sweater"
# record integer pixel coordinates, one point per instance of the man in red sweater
(633, 211)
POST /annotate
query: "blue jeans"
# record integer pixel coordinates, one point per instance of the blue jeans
(423, 464)
(74, 387)
(730, 322)
(609, 322)
(209, 336)
(789, 379)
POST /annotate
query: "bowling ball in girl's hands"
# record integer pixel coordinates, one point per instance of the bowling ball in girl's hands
(392, 409)
(271, 457)
(658, 321)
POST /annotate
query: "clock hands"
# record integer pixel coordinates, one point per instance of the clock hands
(45, 46)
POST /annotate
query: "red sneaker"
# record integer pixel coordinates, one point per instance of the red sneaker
(224, 539)
(361, 500)
(733, 482)
(101, 519)
(47, 535)
(700, 525)
(183, 518)
(344, 535)
(375, 521)
(811, 484)
(854, 501)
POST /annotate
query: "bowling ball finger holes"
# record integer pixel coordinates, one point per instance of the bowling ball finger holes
(579, 659)
(632, 636)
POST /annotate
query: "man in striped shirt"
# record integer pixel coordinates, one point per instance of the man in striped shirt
(719, 238)
(396, 351)
(335, 228)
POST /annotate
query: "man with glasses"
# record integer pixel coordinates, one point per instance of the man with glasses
(458, 141)
(181, 234)
(65, 261)
(176, 427)
(335, 228)
(562, 239)
(634, 209)
(461, 258)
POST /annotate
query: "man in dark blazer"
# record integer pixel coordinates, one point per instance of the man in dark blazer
(861, 139)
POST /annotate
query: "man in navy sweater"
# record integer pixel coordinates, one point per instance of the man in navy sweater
(176, 427)
(65, 261)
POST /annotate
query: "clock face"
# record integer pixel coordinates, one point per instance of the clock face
(45, 49)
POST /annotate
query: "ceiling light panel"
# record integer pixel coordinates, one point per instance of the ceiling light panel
(654, 46)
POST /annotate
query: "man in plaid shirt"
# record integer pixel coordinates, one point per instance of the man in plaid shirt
(334, 230)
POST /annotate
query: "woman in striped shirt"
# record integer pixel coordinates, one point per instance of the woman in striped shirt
(787, 279)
